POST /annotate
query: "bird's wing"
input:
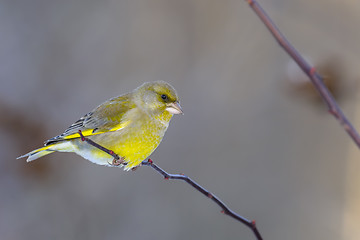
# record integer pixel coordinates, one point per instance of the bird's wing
(109, 116)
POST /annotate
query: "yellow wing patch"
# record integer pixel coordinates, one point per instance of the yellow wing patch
(90, 132)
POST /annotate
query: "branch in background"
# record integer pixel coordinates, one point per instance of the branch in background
(310, 71)
(225, 209)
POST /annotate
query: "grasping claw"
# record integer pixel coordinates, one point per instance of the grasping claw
(118, 161)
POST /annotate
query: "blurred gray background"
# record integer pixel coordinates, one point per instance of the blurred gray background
(265, 145)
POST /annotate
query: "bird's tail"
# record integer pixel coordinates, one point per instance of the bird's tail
(40, 152)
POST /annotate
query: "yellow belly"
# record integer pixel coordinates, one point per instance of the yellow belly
(135, 143)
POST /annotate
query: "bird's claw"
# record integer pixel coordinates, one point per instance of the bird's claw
(117, 162)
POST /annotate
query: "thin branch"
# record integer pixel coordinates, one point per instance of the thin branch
(309, 70)
(94, 144)
(226, 210)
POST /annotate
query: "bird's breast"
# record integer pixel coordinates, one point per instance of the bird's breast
(135, 142)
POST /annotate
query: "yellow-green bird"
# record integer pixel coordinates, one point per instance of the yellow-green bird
(131, 125)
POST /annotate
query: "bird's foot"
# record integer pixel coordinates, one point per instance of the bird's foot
(117, 161)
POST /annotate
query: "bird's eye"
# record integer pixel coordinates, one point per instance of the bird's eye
(164, 97)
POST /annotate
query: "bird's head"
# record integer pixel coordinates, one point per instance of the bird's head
(158, 97)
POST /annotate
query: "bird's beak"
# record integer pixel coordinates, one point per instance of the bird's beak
(174, 108)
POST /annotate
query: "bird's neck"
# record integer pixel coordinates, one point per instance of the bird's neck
(163, 118)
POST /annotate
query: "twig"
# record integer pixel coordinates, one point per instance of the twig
(225, 209)
(94, 144)
(310, 71)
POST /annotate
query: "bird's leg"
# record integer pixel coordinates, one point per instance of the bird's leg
(115, 162)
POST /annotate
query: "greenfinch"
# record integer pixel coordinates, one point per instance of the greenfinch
(131, 125)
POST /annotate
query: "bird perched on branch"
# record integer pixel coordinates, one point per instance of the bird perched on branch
(131, 125)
